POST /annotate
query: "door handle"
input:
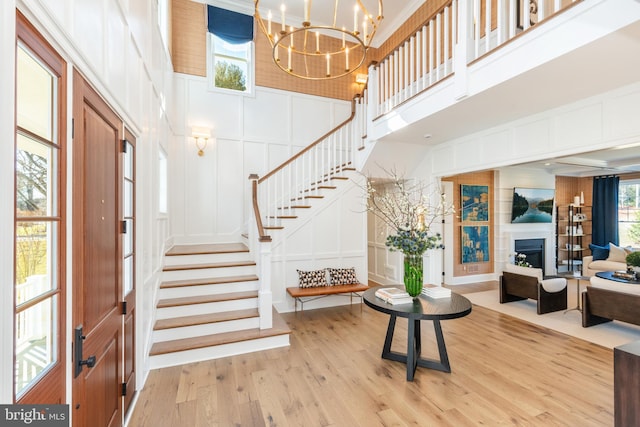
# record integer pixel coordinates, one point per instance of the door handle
(78, 361)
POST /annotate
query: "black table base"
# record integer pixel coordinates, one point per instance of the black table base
(414, 347)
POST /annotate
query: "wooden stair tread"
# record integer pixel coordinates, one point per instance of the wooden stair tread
(279, 328)
(208, 281)
(208, 265)
(201, 319)
(202, 249)
(296, 207)
(319, 187)
(307, 197)
(284, 217)
(273, 227)
(203, 299)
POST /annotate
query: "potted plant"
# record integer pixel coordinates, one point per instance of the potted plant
(633, 262)
(409, 208)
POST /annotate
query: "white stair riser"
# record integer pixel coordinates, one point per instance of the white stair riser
(208, 272)
(206, 329)
(217, 352)
(212, 307)
(220, 288)
(206, 258)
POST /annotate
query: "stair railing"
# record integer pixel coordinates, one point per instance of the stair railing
(460, 32)
(293, 184)
(274, 197)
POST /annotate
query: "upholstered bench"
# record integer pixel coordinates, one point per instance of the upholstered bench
(313, 285)
(309, 294)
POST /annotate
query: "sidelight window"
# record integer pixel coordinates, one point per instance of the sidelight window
(38, 221)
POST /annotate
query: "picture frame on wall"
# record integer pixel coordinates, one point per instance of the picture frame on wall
(474, 202)
(474, 243)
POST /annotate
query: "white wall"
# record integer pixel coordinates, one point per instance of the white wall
(598, 122)
(505, 232)
(253, 134)
(331, 235)
(116, 45)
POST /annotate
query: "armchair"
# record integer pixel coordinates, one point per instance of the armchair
(520, 283)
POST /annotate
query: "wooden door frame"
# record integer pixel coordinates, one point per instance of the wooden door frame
(51, 388)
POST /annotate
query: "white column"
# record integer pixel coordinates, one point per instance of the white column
(265, 297)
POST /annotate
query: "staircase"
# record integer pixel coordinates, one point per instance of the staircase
(208, 306)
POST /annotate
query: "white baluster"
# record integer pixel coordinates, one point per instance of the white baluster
(476, 28)
(404, 69)
(438, 46)
(513, 18)
(487, 26)
(454, 32)
(412, 65)
(396, 78)
(446, 41)
(501, 24)
(425, 70)
(431, 51)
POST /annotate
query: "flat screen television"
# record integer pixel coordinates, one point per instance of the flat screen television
(532, 205)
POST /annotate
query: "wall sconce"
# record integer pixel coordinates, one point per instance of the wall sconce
(201, 135)
(361, 79)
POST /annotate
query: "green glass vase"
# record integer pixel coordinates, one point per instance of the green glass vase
(413, 274)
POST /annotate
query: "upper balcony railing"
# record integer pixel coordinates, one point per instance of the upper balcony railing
(457, 34)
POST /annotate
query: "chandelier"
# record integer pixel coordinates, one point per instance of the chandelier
(315, 50)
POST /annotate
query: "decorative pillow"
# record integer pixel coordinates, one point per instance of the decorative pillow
(342, 276)
(310, 279)
(617, 254)
(600, 253)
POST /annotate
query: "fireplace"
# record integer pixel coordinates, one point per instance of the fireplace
(533, 249)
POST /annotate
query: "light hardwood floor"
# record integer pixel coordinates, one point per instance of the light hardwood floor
(504, 372)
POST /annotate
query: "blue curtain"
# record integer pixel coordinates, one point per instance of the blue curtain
(605, 210)
(232, 27)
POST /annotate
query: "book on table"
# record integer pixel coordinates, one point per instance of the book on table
(393, 296)
(437, 292)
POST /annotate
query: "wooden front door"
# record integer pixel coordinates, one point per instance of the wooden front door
(97, 295)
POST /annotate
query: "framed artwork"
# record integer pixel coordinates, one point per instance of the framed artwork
(475, 243)
(533, 12)
(474, 200)
(532, 205)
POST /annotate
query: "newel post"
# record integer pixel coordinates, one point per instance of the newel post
(261, 248)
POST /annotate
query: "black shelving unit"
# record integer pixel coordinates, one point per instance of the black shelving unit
(573, 232)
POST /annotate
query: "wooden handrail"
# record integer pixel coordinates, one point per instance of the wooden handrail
(316, 142)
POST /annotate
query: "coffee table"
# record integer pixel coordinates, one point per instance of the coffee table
(422, 308)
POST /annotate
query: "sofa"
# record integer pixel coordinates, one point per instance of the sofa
(606, 300)
(604, 258)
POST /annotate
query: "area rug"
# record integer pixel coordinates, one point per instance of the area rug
(610, 335)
